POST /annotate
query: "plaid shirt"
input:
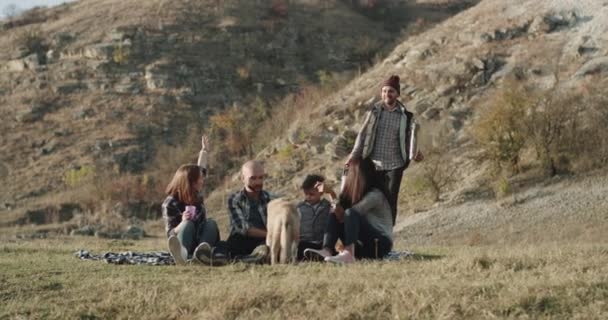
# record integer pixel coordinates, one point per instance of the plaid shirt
(239, 208)
(386, 153)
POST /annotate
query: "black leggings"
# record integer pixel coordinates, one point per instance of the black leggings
(239, 245)
(390, 181)
(369, 242)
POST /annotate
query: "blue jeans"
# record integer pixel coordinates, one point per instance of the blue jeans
(192, 235)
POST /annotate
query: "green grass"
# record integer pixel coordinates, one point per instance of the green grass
(42, 279)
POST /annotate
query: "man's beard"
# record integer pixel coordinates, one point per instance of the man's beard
(255, 187)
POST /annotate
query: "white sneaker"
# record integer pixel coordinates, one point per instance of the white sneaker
(343, 257)
(314, 254)
(179, 253)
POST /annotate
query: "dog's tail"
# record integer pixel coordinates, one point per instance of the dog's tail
(286, 239)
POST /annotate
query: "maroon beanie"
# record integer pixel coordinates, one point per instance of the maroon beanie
(393, 82)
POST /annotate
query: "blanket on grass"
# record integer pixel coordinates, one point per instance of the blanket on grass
(162, 258)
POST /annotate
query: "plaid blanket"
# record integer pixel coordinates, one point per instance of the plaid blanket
(162, 258)
(158, 258)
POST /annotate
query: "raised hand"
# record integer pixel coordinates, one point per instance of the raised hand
(205, 143)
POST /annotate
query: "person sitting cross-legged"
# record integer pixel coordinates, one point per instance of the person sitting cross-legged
(362, 219)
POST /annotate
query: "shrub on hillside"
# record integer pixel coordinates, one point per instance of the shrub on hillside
(546, 128)
(29, 41)
(564, 127)
(438, 173)
(586, 138)
(121, 54)
(501, 130)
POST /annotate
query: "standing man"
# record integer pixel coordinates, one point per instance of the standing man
(248, 212)
(385, 139)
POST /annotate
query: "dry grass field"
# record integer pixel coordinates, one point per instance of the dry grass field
(42, 279)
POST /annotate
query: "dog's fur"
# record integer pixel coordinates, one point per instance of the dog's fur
(283, 231)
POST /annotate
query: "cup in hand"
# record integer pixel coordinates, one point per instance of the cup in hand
(191, 210)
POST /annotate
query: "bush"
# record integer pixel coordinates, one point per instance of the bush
(564, 127)
(546, 126)
(501, 130)
(31, 40)
(121, 54)
(75, 177)
(586, 138)
(438, 172)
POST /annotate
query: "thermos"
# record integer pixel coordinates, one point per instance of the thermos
(413, 140)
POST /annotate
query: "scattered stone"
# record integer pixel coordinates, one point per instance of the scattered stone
(83, 113)
(445, 89)
(68, 88)
(84, 231)
(48, 148)
(431, 114)
(100, 51)
(17, 65)
(122, 33)
(33, 113)
(5, 205)
(593, 66)
(478, 63)
(134, 233)
(51, 56)
(158, 76)
(32, 61)
(539, 25)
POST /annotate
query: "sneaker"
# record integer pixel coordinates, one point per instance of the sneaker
(206, 255)
(343, 257)
(316, 255)
(203, 253)
(218, 259)
(179, 253)
(259, 255)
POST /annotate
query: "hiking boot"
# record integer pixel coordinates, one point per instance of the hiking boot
(316, 255)
(343, 257)
(259, 255)
(178, 252)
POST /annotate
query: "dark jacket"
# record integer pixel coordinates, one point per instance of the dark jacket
(313, 222)
(172, 210)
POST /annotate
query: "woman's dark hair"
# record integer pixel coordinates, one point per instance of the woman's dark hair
(181, 186)
(360, 179)
(310, 181)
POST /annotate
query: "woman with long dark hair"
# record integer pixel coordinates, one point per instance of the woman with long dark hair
(188, 229)
(362, 219)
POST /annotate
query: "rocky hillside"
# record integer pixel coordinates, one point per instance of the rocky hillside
(450, 73)
(93, 91)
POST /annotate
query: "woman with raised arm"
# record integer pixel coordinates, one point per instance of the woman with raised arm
(362, 219)
(188, 229)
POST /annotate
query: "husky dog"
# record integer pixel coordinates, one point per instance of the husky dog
(283, 231)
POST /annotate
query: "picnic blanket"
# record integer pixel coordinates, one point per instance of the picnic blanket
(155, 258)
(162, 258)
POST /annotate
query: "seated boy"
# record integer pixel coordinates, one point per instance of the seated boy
(314, 212)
